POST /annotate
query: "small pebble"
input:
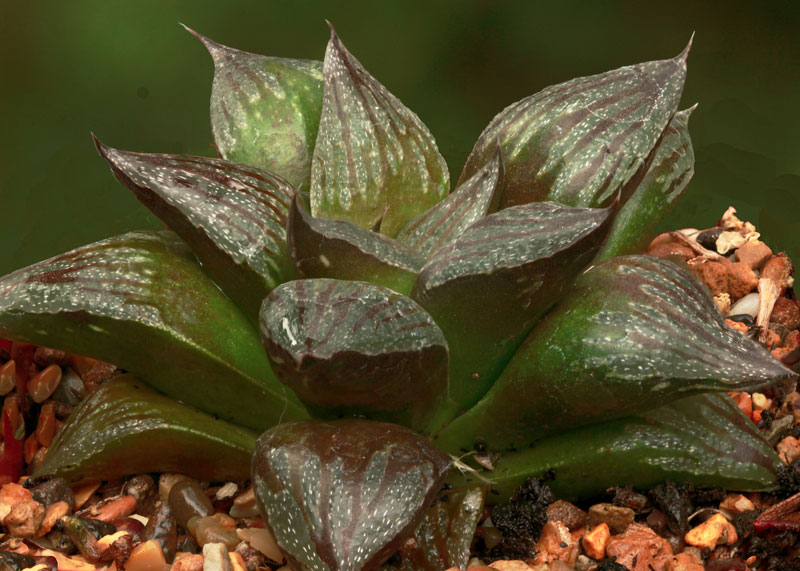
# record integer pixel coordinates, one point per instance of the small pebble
(8, 376)
(263, 541)
(714, 531)
(44, 383)
(24, 518)
(146, 556)
(594, 541)
(215, 558)
(187, 499)
(708, 238)
(616, 517)
(746, 305)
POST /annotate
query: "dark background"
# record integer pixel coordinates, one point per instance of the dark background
(129, 73)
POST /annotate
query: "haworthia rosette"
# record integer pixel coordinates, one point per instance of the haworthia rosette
(664, 182)
(703, 440)
(344, 495)
(354, 348)
(490, 286)
(140, 301)
(471, 201)
(127, 428)
(323, 248)
(265, 110)
(579, 142)
(375, 163)
(634, 332)
(232, 215)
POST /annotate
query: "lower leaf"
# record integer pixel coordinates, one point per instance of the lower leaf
(704, 440)
(344, 494)
(126, 428)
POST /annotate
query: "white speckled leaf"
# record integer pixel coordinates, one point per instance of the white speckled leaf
(356, 349)
(265, 110)
(489, 287)
(125, 428)
(323, 248)
(703, 440)
(467, 204)
(232, 215)
(661, 186)
(375, 163)
(140, 301)
(444, 537)
(344, 495)
(579, 142)
(634, 332)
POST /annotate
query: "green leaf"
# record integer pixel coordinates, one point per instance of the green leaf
(489, 287)
(579, 142)
(444, 537)
(232, 215)
(354, 348)
(127, 428)
(323, 248)
(265, 110)
(467, 204)
(633, 333)
(704, 440)
(344, 494)
(662, 185)
(140, 301)
(375, 163)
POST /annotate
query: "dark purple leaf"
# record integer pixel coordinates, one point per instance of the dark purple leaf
(375, 164)
(232, 215)
(344, 494)
(323, 248)
(444, 538)
(467, 204)
(355, 348)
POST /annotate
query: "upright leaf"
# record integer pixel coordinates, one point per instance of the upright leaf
(490, 286)
(140, 301)
(353, 348)
(375, 164)
(634, 332)
(232, 215)
(265, 110)
(467, 204)
(663, 184)
(323, 248)
(344, 495)
(127, 428)
(704, 440)
(579, 142)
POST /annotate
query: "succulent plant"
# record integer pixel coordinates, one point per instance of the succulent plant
(320, 268)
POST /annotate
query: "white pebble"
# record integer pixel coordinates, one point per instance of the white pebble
(748, 304)
(215, 557)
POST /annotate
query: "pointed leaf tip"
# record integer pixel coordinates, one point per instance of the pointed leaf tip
(374, 160)
(265, 110)
(215, 49)
(684, 55)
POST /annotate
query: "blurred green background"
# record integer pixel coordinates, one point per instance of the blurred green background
(129, 73)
